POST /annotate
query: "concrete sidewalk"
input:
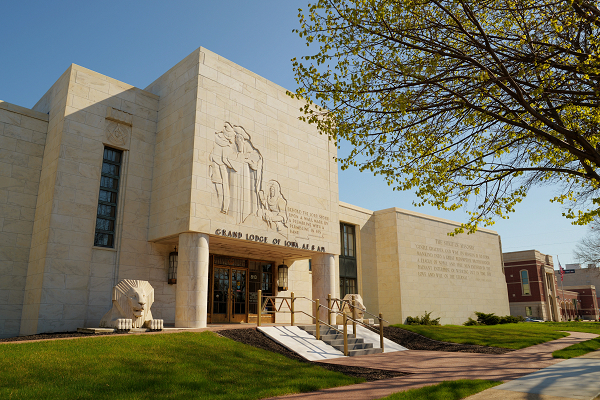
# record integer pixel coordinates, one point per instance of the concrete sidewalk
(576, 378)
(432, 367)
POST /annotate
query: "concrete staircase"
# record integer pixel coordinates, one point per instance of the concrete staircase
(356, 346)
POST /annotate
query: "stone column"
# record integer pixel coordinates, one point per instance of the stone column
(324, 273)
(192, 281)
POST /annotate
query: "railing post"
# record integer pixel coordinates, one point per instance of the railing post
(317, 306)
(329, 309)
(345, 334)
(381, 331)
(353, 314)
(259, 307)
(292, 308)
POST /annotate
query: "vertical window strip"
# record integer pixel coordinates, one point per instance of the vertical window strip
(348, 264)
(525, 282)
(106, 215)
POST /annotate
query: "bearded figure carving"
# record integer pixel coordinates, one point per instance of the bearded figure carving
(131, 300)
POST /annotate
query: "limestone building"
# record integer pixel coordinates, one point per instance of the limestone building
(102, 181)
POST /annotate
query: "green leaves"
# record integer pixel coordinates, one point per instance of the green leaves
(460, 99)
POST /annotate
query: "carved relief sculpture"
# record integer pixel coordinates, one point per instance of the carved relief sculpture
(131, 301)
(118, 126)
(274, 208)
(236, 169)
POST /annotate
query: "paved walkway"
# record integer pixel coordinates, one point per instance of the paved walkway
(431, 367)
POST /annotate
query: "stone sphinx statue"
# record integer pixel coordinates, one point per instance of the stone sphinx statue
(131, 302)
(347, 309)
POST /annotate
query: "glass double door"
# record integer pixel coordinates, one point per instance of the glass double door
(230, 300)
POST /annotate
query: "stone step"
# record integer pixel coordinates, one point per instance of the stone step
(363, 352)
(334, 342)
(355, 346)
(335, 336)
(312, 329)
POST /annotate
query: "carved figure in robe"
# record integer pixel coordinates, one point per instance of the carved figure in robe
(222, 154)
(274, 207)
(249, 171)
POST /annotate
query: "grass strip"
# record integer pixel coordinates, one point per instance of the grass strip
(578, 349)
(510, 336)
(450, 390)
(160, 366)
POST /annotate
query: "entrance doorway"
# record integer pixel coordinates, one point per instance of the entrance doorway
(234, 284)
(229, 295)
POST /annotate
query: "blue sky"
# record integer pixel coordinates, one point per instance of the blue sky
(136, 41)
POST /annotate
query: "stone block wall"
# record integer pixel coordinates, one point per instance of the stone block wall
(171, 208)
(451, 276)
(70, 280)
(22, 140)
(289, 152)
(299, 282)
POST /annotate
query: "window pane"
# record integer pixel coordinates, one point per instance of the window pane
(351, 286)
(524, 277)
(110, 169)
(526, 290)
(103, 239)
(105, 224)
(108, 182)
(112, 155)
(106, 211)
(110, 197)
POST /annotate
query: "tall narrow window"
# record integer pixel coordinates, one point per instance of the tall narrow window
(525, 282)
(348, 270)
(107, 200)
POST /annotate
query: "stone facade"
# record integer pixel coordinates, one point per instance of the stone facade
(216, 166)
(409, 265)
(22, 140)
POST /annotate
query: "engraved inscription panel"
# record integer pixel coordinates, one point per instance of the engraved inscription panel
(448, 260)
(304, 223)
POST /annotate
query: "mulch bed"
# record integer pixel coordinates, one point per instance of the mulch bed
(60, 335)
(414, 341)
(255, 338)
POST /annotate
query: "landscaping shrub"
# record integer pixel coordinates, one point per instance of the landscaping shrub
(509, 319)
(425, 319)
(492, 319)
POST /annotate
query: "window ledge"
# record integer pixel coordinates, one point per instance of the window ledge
(103, 248)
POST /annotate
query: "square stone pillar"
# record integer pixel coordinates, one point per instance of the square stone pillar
(192, 281)
(324, 273)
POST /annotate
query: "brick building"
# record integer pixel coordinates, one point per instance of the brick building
(534, 291)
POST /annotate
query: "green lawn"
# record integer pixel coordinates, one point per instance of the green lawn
(579, 349)
(451, 390)
(511, 336)
(165, 366)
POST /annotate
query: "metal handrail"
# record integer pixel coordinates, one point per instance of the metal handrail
(320, 321)
(290, 305)
(363, 310)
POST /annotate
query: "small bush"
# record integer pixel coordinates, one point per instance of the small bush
(487, 319)
(471, 322)
(492, 319)
(509, 319)
(425, 319)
